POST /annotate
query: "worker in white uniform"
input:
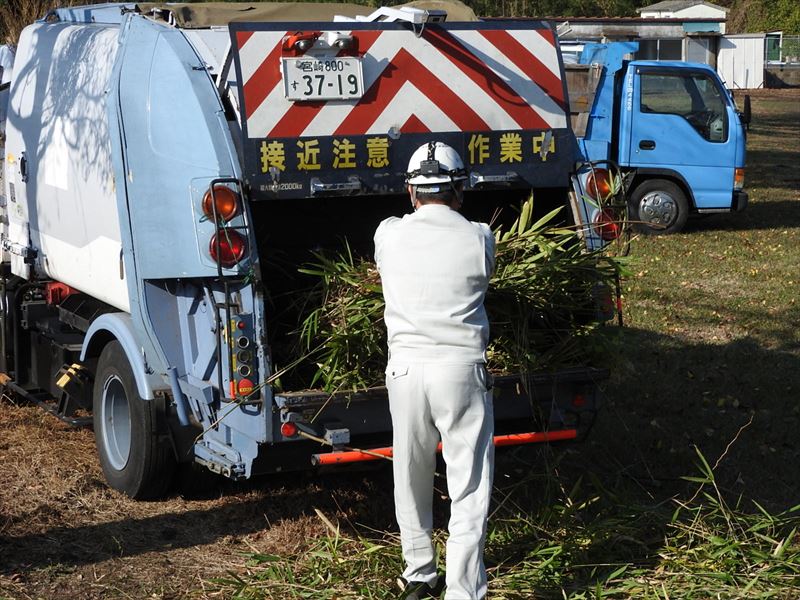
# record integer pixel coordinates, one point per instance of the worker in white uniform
(435, 267)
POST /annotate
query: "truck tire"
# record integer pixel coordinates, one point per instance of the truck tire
(658, 206)
(136, 457)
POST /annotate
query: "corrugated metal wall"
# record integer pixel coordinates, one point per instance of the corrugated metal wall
(740, 61)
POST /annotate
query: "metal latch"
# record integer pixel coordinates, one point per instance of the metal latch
(336, 434)
(352, 185)
(477, 180)
(27, 253)
(545, 149)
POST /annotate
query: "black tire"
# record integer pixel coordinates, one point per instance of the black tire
(658, 206)
(133, 446)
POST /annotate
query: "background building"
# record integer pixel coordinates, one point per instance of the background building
(694, 31)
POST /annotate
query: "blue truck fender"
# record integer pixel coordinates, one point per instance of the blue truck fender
(119, 326)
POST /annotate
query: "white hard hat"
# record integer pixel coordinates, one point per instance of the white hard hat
(434, 163)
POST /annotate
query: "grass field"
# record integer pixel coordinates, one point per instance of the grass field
(688, 486)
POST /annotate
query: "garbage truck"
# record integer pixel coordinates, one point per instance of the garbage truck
(167, 168)
(671, 128)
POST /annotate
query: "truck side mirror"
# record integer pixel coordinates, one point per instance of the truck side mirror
(746, 115)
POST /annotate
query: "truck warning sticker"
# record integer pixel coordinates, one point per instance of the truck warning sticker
(326, 153)
(510, 147)
(331, 120)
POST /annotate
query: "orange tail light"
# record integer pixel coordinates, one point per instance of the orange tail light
(598, 184)
(225, 200)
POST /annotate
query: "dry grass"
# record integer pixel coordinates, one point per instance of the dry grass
(66, 535)
(15, 15)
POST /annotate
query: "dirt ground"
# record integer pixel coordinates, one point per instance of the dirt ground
(64, 534)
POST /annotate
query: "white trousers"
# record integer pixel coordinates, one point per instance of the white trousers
(448, 401)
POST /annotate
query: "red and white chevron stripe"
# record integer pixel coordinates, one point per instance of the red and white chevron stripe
(443, 81)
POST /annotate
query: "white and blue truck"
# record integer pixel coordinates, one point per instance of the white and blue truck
(167, 168)
(670, 127)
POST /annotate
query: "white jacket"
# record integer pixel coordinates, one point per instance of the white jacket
(435, 267)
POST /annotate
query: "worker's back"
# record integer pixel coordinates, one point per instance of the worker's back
(435, 268)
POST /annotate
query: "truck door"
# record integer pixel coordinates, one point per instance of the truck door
(681, 122)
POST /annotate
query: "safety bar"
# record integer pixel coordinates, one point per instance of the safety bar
(514, 439)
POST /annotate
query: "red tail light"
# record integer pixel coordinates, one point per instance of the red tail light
(231, 246)
(226, 201)
(288, 429)
(606, 225)
(598, 184)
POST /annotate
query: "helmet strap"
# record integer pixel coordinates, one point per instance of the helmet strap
(458, 193)
(412, 189)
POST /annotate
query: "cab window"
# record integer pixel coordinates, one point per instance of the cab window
(693, 96)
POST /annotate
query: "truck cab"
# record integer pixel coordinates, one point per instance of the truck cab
(671, 127)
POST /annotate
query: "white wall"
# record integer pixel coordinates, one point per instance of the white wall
(740, 61)
(700, 11)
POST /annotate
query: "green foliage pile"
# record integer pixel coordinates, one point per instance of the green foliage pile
(542, 306)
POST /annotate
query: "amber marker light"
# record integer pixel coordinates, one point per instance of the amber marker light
(598, 184)
(226, 201)
(738, 179)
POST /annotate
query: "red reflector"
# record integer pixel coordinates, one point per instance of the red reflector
(56, 292)
(606, 225)
(241, 325)
(245, 386)
(288, 429)
(231, 246)
(579, 400)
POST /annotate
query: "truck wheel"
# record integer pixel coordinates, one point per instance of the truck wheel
(136, 457)
(658, 206)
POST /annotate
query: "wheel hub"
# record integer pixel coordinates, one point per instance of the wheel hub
(658, 209)
(116, 423)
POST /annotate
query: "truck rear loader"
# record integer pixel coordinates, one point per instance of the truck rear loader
(167, 169)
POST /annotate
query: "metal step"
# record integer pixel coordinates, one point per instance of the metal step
(46, 401)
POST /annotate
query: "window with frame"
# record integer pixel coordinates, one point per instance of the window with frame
(660, 49)
(693, 96)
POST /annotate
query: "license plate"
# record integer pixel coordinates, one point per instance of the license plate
(311, 78)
